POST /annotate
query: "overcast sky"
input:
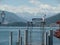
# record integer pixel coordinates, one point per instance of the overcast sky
(31, 6)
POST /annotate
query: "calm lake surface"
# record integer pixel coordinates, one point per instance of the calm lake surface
(36, 35)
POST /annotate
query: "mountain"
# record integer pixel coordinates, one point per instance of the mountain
(52, 19)
(14, 20)
(28, 16)
(12, 17)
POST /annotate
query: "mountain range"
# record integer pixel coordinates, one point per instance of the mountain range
(53, 19)
(49, 21)
(13, 19)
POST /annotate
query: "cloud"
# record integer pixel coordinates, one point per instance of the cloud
(35, 2)
(19, 9)
(42, 8)
(45, 7)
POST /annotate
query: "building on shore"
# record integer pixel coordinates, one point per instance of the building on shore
(37, 21)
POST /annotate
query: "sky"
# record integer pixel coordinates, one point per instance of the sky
(31, 8)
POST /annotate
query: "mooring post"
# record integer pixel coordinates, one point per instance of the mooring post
(26, 37)
(19, 37)
(18, 41)
(10, 38)
(21, 40)
(50, 38)
(46, 38)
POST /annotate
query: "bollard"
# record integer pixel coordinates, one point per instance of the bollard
(10, 38)
(18, 41)
(50, 38)
(46, 38)
(26, 37)
(21, 40)
(19, 37)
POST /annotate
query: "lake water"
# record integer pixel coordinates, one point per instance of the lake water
(36, 35)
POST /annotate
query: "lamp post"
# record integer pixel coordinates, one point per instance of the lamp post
(43, 29)
(2, 17)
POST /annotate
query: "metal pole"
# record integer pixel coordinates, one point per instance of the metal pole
(51, 37)
(21, 40)
(18, 41)
(46, 38)
(19, 37)
(49, 40)
(26, 37)
(10, 38)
